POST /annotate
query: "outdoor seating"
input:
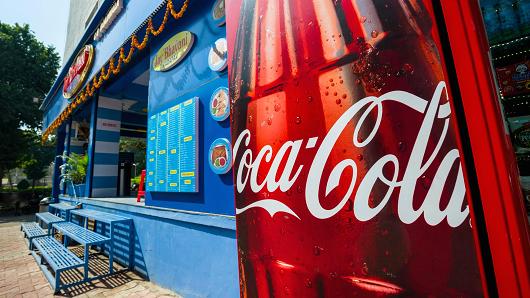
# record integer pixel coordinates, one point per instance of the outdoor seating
(32, 230)
(106, 218)
(82, 236)
(62, 209)
(58, 257)
(48, 219)
(50, 253)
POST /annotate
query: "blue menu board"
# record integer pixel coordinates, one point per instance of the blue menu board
(172, 149)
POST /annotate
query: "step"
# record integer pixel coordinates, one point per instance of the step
(80, 234)
(56, 255)
(32, 229)
(49, 218)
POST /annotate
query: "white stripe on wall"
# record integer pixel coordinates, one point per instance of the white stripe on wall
(107, 147)
(109, 103)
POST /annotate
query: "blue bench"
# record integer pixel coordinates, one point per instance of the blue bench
(32, 230)
(82, 236)
(48, 219)
(111, 220)
(59, 208)
(58, 257)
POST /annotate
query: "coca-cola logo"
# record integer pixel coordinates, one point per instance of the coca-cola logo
(283, 178)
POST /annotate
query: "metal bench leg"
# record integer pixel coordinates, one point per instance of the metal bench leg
(131, 246)
(111, 252)
(57, 281)
(86, 263)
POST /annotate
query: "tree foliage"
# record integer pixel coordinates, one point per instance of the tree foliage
(37, 158)
(27, 71)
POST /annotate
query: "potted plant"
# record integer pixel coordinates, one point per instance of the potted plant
(75, 174)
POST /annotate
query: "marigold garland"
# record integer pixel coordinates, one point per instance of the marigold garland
(115, 69)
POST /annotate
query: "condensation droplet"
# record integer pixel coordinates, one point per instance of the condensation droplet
(317, 250)
(250, 119)
(408, 68)
(309, 98)
(326, 93)
(365, 269)
(374, 33)
(344, 96)
(402, 146)
(298, 120)
(360, 157)
(269, 121)
(335, 93)
(277, 107)
(299, 189)
(425, 181)
(362, 20)
(338, 101)
(308, 283)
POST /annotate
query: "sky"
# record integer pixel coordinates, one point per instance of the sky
(48, 19)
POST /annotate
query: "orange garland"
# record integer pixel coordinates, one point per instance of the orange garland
(104, 75)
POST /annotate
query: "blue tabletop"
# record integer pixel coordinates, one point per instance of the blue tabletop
(99, 215)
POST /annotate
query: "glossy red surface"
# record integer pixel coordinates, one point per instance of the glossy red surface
(500, 193)
(326, 96)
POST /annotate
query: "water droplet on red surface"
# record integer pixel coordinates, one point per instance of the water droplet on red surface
(344, 95)
(299, 189)
(333, 274)
(326, 93)
(250, 119)
(425, 181)
(408, 68)
(360, 157)
(362, 19)
(402, 146)
(358, 81)
(310, 98)
(338, 101)
(365, 269)
(331, 80)
(374, 33)
(269, 121)
(277, 107)
(335, 93)
(359, 40)
(298, 120)
(317, 250)
(308, 283)
(341, 81)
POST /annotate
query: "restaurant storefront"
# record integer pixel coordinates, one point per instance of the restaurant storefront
(355, 167)
(154, 73)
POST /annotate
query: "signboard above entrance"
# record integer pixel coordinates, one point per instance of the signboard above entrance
(173, 51)
(78, 71)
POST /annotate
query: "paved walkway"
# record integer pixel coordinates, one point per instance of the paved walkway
(21, 277)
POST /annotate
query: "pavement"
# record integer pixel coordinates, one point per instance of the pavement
(20, 276)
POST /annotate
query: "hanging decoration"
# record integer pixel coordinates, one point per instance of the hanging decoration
(114, 67)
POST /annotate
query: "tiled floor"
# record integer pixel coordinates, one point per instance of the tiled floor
(20, 276)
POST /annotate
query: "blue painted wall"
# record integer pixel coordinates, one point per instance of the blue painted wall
(194, 255)
(192, 77)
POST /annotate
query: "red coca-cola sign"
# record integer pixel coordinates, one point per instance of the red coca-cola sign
(347, 167)
(78, 72)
